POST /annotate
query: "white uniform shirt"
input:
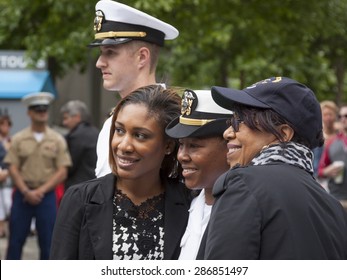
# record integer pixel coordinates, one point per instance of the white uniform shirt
(199, 215)
(102, 150)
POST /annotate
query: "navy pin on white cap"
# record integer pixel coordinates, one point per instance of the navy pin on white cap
(116, 23)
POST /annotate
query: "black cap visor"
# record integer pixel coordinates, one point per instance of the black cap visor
(109, 41)
(225, 97)
(214, 128)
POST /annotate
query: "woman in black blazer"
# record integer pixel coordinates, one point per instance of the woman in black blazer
(268, 205)
(140, 210)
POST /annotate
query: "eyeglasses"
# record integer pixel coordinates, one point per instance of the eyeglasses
(343, 116)
(234, 122)
(39, 108)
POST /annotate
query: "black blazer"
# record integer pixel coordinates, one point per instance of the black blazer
(82, 147)
(274, 211)
(83, 229)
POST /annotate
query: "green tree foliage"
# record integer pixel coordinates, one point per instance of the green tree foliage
(58, 31)
(221, 42)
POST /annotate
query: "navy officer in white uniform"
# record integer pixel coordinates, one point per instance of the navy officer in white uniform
(129, 42)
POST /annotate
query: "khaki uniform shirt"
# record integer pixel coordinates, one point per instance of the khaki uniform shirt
(38, 161)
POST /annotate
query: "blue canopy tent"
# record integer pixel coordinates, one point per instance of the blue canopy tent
(14, 84)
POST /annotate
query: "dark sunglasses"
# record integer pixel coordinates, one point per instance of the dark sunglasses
(343, 116)
(234, 122)
(39, 108)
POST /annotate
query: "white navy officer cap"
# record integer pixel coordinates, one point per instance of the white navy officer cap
(116, 23)
(200, 116)
(38, 101)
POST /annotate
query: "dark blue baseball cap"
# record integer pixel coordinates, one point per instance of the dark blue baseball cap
(292, 100)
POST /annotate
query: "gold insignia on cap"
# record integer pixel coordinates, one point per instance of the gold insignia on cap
(99, 17)
(187, 102)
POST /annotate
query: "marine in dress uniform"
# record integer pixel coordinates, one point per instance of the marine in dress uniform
(38, 159)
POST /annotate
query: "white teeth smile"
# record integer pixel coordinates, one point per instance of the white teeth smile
(234, 150)
(124, 161)
(189, 170)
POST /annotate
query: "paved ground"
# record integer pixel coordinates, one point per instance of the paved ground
(30, 250)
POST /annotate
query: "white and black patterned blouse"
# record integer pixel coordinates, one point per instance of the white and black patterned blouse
(138, 230)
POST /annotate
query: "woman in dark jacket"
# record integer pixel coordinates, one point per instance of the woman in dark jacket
(269, 205)
(140, 210)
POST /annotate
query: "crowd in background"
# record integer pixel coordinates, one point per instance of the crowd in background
(24, 210)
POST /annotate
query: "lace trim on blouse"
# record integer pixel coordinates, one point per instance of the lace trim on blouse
(138, 230)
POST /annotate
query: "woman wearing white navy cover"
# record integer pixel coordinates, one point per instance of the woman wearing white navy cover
(202, 154)
(269, 205)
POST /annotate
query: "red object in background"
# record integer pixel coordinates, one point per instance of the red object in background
(59, 192)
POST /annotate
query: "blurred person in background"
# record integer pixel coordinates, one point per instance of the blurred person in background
(81, 141)
(329, 117)
(5, 179)
(333, 162)
(38, 159)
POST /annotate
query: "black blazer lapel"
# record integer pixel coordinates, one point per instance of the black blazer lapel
(176, 217)
(99, 212)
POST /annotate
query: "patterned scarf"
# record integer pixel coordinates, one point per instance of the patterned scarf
(289, 152)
